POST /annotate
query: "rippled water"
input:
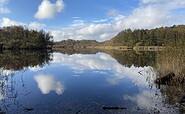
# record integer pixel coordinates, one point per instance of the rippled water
(44, 82)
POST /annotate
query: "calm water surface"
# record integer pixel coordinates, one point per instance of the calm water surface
(42, 82)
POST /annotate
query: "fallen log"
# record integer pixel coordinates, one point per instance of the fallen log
(113, 108)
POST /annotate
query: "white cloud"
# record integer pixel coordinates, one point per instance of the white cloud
(7, 22)
(149, 14)
(4, 22)
(92, 31)
(47, 83)
(119, 17)
(36, 26)
(154, 1)
(100, 21)
(77, 23)
(3, 8)
(75, 17)
(48, 10)
(144, 17)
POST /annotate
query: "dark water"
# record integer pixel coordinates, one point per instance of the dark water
(45, 82)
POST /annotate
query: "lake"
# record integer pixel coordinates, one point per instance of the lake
(92, 82)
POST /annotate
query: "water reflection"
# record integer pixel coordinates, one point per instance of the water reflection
(9, 93)
(13, 65)
(93, 81)
(130, 58)
(101, 63)
(18, 60)
(169, 78)
(47, 83)
(35, 68)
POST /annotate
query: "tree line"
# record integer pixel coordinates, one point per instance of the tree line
(20, 37)
(164, 36)
(69, 43)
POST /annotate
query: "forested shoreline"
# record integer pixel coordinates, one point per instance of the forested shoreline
(20, 37)
(173, 36)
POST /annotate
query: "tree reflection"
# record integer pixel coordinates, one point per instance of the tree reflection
(170, 64)
(71, 51)
(11, 62)
(129, 58)
(18, 60)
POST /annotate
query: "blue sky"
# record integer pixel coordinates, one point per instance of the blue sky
(90, 19)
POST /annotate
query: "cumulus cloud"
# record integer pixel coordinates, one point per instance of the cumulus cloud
(149, 14)
(47, 83)
(3, 8)
(48, 10)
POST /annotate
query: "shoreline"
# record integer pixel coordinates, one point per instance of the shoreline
(127, 48)
(117, 48)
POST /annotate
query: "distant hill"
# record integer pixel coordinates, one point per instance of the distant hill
(164, 36)
(76, 43)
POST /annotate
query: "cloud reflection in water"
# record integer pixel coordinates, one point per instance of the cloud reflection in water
(103, 62)
(47, 83)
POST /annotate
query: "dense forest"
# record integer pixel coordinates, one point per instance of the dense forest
(19, 37)
(164, 36)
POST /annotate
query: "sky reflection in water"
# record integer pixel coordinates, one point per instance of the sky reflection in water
(80, 82)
